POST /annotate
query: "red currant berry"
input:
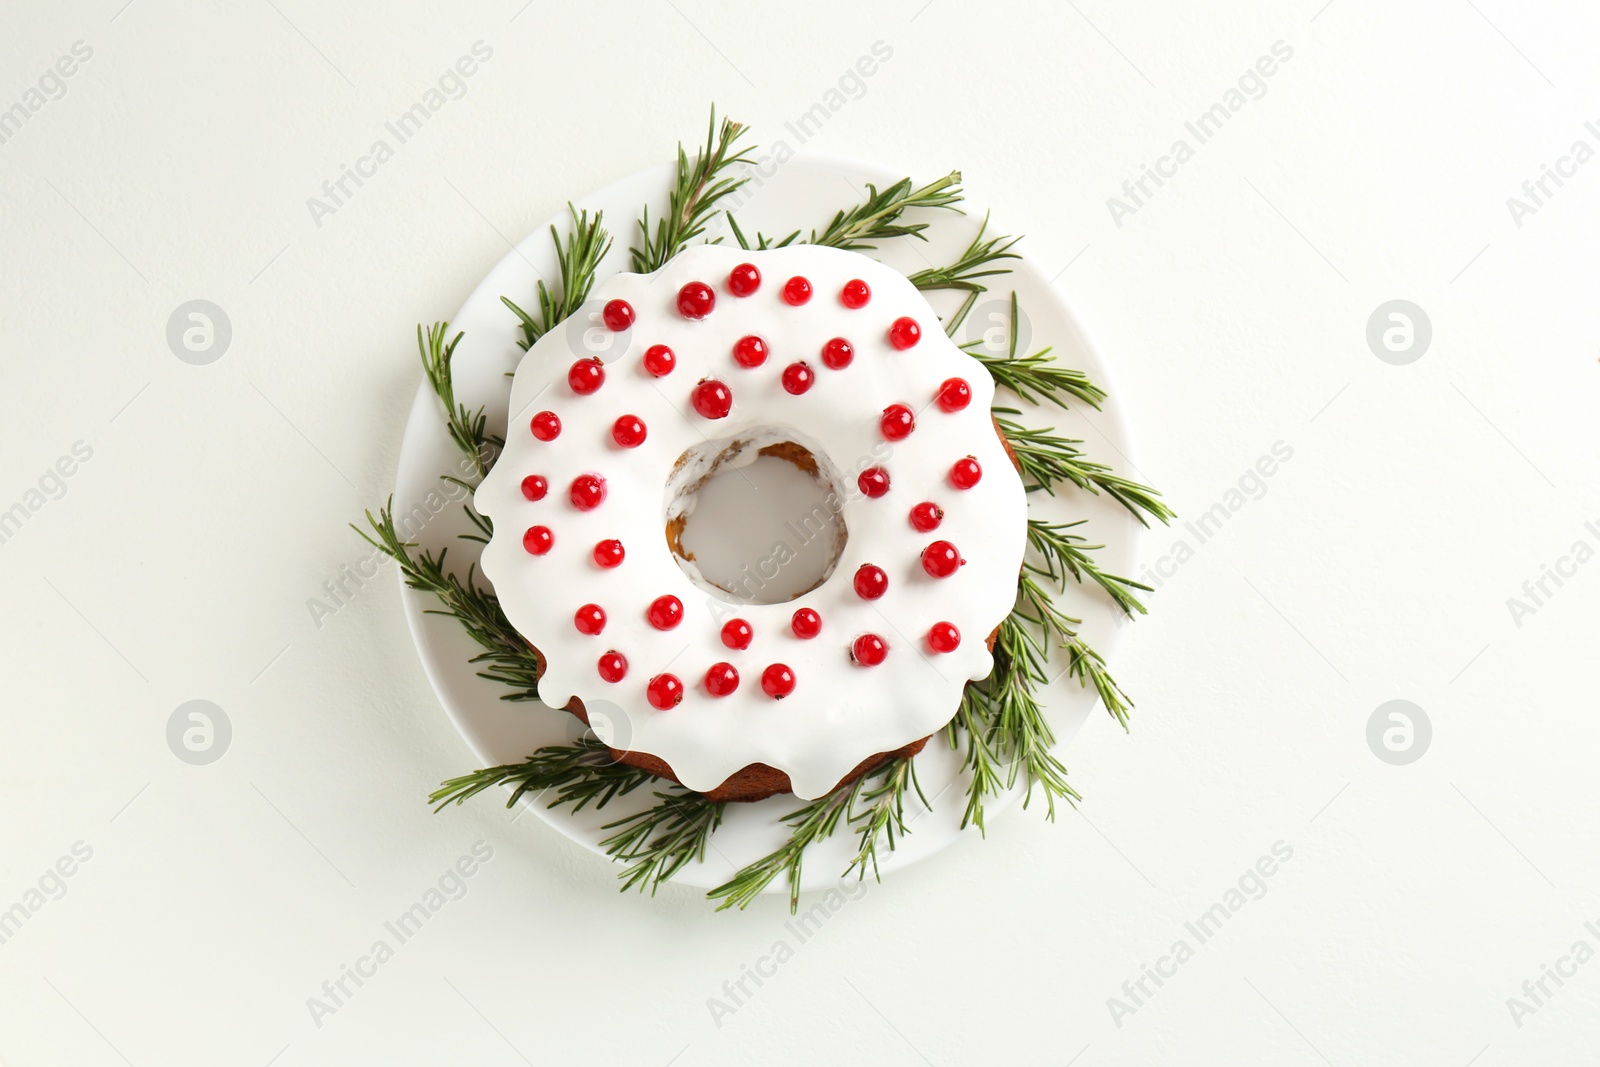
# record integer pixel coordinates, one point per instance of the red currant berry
(944, 637)
(874, 482)
(590, 619)
(609, 553)
(927, 516)
(954, 394)
(905, 333)
(618, 315)
(538, 539)
(696, 300)
(837, 354)
(628, 431)
(665, 691)
(659, 360)
(613, 666)
(806, 624)
(736, 633)
(712, 399)
(870, 581)
(897, 422)
(964, 473)
(535, 486)
(586, 376)
(855, 294)
(722, 678)
(797, 378)
(941, 559)
(777, 681)
(796, 291)
(588, 491)
(744, 279)
(665, 612)
(869, 650)
(750, 351)
(546, 426)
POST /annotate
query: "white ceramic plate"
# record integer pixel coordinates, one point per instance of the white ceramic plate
(801, 193)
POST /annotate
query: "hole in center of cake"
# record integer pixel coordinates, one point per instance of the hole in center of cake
(755, 519)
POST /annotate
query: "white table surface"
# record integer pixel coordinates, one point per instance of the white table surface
(1375, 565)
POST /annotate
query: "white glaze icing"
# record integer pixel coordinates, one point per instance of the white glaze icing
(840, 713)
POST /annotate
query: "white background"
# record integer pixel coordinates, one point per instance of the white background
(1233, 305)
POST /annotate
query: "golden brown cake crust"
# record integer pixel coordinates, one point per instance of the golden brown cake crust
(755, 781)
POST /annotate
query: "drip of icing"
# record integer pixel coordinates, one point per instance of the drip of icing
(839, 712)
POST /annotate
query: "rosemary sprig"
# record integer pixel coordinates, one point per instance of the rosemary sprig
(973, 263)
(985, 760)
(695, 196)
(580, 773)
(1007, 733)
(578, 258)
(468, 429)
(963, 275)
(1049, 459)
(507, 657)
(984, 753)
(1034, 378)
(883, 814)
(809, 824)
(1066, 553)
(763, 242)
(878, 217)
(1083, 662)
(1018, 718)
(657, 842)
(1038, 378)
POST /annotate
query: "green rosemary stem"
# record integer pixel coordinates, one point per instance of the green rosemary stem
(974, 720)
(977, 261)
(1034, 378)
(879, 217)
(1019, 671)
(695, 195)
(1065, 553)
(809, 824)
(1050, 460)
(577, 259)
(883, 814)
(468, 429)
(506, 658)
(658, 842)
(581, 773)
(1083, 662)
